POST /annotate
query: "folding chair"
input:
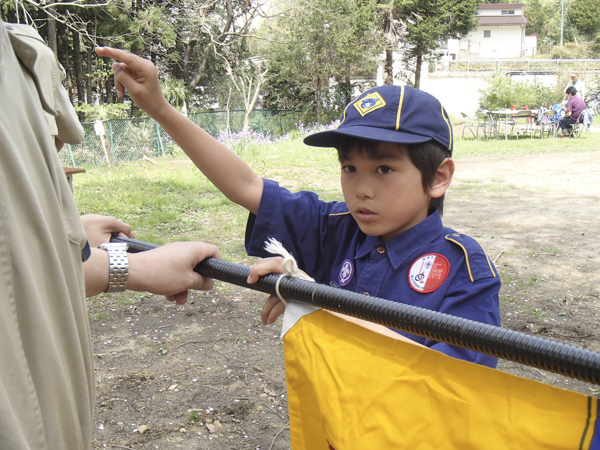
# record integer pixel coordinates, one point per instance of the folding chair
(576, 129)
(485, 123)
(468, 124)
(526, 114)
(551, 124)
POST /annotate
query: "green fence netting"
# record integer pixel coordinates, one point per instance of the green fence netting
(119, 140)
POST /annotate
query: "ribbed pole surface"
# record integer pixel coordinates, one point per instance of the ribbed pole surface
(496, 341)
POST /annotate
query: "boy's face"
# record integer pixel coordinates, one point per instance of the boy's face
(384, 193)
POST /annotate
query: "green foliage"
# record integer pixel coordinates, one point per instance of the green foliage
(103, 112)
(175, 91)
(571, 50)
(428, 23)
(311, 42)
(584, 16)
(538, 14)
(502, 92)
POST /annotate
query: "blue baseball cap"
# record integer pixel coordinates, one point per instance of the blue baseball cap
(398, 114)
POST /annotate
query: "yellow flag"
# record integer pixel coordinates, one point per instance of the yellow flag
(351, 388)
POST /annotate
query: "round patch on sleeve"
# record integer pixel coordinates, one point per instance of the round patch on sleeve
(428, 272)
(346, 272)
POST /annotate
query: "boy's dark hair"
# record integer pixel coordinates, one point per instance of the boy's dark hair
(426, 157)
(572, 90)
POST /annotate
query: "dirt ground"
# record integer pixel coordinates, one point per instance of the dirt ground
(208, 376)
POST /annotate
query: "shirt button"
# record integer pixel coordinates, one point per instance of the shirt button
(381, 250)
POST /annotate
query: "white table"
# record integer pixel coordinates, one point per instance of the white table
(506, 113)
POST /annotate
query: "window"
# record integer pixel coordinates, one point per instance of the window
(506, 12)
(487, 33)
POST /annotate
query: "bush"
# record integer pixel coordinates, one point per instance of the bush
(502, 92)
(571, 50)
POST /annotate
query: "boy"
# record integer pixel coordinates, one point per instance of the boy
(387, 238)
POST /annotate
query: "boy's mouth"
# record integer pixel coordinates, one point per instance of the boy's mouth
(365, 214)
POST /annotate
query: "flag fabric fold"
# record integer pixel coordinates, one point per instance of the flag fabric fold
(350, 387)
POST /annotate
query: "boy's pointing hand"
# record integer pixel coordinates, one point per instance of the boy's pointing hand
(138, 76)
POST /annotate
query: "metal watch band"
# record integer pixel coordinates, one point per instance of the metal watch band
(119, 268)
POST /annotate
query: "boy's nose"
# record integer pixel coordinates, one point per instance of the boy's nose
(364, 188)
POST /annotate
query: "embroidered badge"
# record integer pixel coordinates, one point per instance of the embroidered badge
(428, 272)
(346, 272)
(369, 103)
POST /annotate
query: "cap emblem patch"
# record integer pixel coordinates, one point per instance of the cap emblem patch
(369, 103)
(346, 272)
(428, 272)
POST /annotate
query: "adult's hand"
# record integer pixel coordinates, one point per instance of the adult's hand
(99, 229)
(169, 269)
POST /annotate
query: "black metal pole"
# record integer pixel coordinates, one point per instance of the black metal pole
(503, 343)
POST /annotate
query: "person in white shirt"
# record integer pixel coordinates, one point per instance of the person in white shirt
(578, 84)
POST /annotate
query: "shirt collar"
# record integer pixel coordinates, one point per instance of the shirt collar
(401, 246)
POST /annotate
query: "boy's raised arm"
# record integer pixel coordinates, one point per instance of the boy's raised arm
(226, 170)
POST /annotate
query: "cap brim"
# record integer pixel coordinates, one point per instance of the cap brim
(332, 137)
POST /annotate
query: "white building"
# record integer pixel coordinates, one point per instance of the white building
(500, 33)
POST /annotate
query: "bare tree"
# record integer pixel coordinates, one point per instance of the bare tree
(249, 83)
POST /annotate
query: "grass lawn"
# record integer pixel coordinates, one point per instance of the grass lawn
(173, 201)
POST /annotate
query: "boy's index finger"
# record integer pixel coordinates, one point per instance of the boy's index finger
(118, 54)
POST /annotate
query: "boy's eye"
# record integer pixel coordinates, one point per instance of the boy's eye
(384, 169)
(348, 169)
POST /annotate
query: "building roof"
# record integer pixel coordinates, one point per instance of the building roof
(501, 5)
(502, 21)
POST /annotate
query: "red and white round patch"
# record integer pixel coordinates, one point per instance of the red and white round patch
(428, 272)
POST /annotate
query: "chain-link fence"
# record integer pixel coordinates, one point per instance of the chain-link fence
(117, 140)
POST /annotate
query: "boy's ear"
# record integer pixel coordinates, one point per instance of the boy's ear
(442, 178)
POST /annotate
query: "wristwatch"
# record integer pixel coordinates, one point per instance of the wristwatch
(119, 268)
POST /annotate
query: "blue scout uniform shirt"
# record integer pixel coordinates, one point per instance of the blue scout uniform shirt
(428, 265)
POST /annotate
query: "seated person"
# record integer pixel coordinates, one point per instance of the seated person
(573, 114)
(387, 239)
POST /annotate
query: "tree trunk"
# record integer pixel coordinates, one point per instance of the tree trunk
(52, 30)
(418, 72)
(389, 66)
(108, 85)
(89, 78)
(78, 70)
(348, 90)
(318, 100)
(65, 51)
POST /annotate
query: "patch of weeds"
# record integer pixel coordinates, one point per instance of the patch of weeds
(556, 251)
(537, 313)
(508, 299)
(194, 417)
(96, 316)
(524, 310)
(568, 313)
(123, 301)
(224, 288)
(529, 282)
(506, 277)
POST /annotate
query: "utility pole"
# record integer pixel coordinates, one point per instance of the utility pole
(562, 20)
